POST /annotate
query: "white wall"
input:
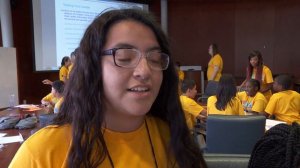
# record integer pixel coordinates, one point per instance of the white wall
(8, 76)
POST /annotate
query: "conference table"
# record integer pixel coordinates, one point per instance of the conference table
(7, 152)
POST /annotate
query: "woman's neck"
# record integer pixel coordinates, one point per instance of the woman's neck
(123, 123)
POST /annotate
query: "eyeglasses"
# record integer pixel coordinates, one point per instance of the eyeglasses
(130, 58)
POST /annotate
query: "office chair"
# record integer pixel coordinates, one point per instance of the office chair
(210, 90)
(233, 134)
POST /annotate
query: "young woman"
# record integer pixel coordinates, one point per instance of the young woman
(215, 64)
(257, 70)
(253, 101)
(225, 102)
(63, 70)
(122, 108)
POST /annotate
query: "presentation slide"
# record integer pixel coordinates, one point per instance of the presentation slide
(60, 24)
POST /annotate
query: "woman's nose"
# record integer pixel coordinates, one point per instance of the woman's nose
(142, 70)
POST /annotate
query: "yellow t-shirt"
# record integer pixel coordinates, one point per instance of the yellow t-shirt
(285, 106)
(191, 109)
(69, 70)
(49, 147)
(257, 103)
(50, 98)
(63, 73)
(267, 78)
(215, 61)
(235, 109)
(181, 75)
(58, 104)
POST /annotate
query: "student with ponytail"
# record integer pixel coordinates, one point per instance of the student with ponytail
(278, 148)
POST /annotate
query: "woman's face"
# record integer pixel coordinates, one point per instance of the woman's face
(68, 62)
(130, 92)
(250, 89)
(210, 50)
(254, 61)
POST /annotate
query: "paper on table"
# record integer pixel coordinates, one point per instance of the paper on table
(29, 107)
(26, 106)
(272, 123)
(11, 139)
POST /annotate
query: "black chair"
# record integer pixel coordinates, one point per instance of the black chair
(46, 119)
(233, 134)
(226, 160)
(210, 90)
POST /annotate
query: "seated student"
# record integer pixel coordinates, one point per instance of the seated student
(252, 100)
(225, 101)
(55, 97)
(285, 104)
(63, 71)
(279, 147)
(190, 107)
(58, 86)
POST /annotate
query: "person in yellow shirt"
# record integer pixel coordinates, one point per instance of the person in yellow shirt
(49, 99)
(54, 99)
(63, 70)
(180, 72)
(58, 89)
(180, 76)
(257, 70)
(285, 104)
(122, 109)
(225, 102)
(215, 64)
(252, 100)
(190, 107)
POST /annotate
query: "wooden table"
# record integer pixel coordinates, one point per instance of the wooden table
(9, 150)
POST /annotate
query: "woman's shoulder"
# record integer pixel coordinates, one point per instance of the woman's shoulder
(49, 137)
(211, 98)
(266, 68)
(259, 95)
(218, 55)
(63, 68)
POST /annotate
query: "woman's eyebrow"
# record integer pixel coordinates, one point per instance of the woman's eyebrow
(153, 48)
(126, 45)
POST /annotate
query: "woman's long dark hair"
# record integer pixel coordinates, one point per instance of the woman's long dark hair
(64, 60)
(83, 105)
(226, 91)
(258, 75)
(215, 50)
(279, 147)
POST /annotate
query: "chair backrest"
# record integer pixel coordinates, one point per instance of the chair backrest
(233, 134)
(210, 90)
(226, 160)
(46, 119)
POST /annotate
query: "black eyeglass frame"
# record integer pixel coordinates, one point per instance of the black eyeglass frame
(113, 51)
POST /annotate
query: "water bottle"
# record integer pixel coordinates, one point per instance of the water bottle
(12, 101)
